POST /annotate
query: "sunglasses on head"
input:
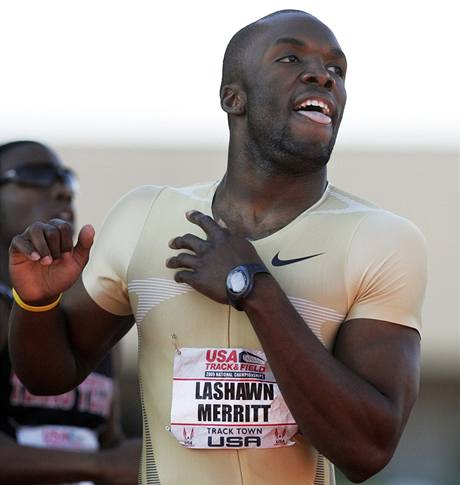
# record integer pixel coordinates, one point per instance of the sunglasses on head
(39, 175)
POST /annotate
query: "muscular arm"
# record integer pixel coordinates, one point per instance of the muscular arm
(52, 352)
(352, 405)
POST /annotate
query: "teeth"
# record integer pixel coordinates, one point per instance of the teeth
(315, 102)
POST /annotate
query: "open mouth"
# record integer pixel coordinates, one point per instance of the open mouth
(316, 109)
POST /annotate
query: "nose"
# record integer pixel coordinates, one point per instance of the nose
(63, 192)
(63, 196)
(317, 74)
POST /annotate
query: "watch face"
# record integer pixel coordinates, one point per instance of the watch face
(237, 281)
(240, 282)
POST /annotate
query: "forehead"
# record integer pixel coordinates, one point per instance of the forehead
(305, 29)
(27, 154)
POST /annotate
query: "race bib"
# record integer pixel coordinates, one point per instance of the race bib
(228, 398)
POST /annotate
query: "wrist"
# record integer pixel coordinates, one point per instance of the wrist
(240, 282)
(42, 305)
(265, 288)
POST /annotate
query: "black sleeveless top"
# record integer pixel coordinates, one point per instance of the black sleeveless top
(87, 406)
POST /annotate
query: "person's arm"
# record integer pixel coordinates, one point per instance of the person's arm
(116, 448)
(352, 405)
(27, 465)
(53, 351)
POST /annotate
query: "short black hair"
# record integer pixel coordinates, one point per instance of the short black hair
(234, 57)
(6, 147)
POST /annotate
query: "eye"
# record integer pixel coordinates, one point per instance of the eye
(336, 70)
(289, 59)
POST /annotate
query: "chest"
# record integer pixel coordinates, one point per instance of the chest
(305, 259)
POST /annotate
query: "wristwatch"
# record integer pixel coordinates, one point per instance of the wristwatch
(240, 281)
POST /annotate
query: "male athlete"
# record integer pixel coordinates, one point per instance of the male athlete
(278, 316)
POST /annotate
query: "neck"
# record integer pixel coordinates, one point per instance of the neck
(255, 201)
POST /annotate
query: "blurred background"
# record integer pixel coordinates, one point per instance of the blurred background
(127, 92)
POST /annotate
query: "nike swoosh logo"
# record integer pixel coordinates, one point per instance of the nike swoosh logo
(276, 261)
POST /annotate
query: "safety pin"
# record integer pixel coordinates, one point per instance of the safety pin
(174, 338)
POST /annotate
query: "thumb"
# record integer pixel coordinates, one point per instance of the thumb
(83, 246)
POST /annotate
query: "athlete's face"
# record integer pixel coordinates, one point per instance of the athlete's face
(22, 204)
(295, 91)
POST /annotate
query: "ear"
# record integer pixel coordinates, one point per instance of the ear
(233, 99)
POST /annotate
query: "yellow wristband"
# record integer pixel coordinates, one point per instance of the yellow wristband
(31, 308)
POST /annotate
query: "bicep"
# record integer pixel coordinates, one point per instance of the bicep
(93, 331)
(384, 354)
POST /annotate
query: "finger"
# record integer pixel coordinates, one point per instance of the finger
(183, 260)
(53, 239)
(185, 276)
(83, 246)
(208, 224)
(36, 235)
(188, 241)
(20, 245)
(65, 232)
